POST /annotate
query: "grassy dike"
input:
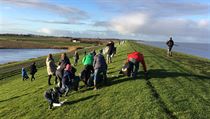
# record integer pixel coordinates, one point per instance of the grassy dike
(177, 87)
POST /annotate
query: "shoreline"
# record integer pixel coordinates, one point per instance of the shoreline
(181, 52)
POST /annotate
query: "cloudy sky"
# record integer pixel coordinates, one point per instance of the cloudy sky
(184, 20)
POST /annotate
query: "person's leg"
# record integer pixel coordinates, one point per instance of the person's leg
(49, 77)
(23, 78)
(107, 58)
(136, 69)
(56, 80)
(104, 77)
(95, 78)
(66, 89)
(170, 51)
(32, 76)
(130, 68)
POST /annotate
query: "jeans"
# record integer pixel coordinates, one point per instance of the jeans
(97, 73)
(133, 68)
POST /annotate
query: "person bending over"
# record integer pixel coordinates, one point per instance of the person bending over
(133, 60)
(100, 66)
(52, 96)
(88, 70)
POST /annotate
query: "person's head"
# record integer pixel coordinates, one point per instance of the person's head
(170, 38)
(63, 55)
(33, 63)
(68, 67)
(50, 56)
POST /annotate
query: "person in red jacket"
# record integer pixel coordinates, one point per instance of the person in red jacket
(133, 60)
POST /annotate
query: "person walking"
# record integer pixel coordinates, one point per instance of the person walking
(24, 74)
(76, 58)
(51, 68)
(110, 51)
(33, 70)
(170, 44)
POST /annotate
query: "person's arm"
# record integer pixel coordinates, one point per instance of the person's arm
(83, 60)
(94, 61)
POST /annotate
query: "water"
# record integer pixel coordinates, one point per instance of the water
(196, 49)
(11, 55)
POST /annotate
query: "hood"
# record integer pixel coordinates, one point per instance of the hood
(68, 67)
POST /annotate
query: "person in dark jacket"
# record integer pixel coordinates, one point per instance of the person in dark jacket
(110, 51)
(67, 79)
(76, 58)
(100, 66)
(170, 44)
(65, 58)
(62, 65)
(52, 96)
(33, 70)
(24, 74)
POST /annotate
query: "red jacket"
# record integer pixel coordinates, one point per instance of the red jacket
(139, 58)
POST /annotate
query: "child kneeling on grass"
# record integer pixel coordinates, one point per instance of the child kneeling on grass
(52, 95)
(69, 80)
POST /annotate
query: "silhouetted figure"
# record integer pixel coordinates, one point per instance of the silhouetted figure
(170, 44)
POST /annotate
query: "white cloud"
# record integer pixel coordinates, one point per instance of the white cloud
(68, 12)
(129, 23)
(45, 31)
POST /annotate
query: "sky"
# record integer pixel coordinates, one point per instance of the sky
(149, 20)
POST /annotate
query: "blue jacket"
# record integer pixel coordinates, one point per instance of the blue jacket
(67, 77)
(24, 73)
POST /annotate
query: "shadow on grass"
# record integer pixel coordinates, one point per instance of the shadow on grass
(12, 98)
(161, 73)
(81, 99)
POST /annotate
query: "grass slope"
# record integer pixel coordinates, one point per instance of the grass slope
(177, 87)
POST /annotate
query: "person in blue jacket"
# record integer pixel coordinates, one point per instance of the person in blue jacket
(24, 74)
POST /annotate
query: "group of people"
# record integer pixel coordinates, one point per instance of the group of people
(65, 78)
(93, 74)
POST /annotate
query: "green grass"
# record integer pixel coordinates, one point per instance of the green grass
(178, 87)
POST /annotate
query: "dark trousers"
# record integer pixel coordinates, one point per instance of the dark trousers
(32, 77)
(133, 68)
(49, 78)
(88, 71)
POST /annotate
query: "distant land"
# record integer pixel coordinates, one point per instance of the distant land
(38, 41)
